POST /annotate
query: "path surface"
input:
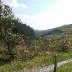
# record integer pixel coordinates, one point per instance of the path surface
(47, 68)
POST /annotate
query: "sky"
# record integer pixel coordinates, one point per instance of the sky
(42, 14)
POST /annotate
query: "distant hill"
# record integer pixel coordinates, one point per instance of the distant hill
(57, 30)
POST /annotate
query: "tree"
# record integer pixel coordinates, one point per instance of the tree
(13, 32)
(7, 37)
(6, 11)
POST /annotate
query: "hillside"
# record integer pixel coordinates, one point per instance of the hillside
(57, 31)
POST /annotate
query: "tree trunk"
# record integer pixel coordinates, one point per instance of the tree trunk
(10, 52)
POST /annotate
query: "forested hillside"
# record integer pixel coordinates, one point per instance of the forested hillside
(58, 30)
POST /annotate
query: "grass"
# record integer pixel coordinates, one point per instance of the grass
(17, 65)
(64, 55)
(65, 68)
(40, 60)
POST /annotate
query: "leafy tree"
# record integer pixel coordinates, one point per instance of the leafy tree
(13, 32)
(7, 37)
(6, 11)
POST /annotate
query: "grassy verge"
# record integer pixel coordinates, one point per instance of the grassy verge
(65, 68)
(40, 60)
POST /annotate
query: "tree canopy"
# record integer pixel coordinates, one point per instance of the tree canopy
(12, 31)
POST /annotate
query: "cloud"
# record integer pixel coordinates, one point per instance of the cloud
(15, 4)
(58, 15)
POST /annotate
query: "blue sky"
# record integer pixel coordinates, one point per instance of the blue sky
(34, 6)
(42, 14)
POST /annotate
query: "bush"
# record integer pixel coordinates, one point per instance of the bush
(64, 44)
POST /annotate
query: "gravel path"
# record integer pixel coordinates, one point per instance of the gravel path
(47, 68)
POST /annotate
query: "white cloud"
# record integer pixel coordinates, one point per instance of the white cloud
(15, 4)
(60, 14)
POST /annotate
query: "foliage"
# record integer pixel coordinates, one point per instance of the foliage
(65, 43)
(7, 37)
(18, 40)
(26, 31)
(12, 33)
(53, 43)
(6, 12)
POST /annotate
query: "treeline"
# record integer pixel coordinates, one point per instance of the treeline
(23, 29)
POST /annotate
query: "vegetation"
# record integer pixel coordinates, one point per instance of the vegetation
(26, 31)
(65, 68)
(20, 48)
(12, 33)
(38, 61)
